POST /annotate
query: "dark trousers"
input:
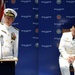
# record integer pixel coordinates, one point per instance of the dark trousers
(7, 68)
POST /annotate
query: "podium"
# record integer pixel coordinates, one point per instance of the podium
(7, 66)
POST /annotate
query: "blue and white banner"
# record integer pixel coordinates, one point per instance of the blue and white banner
(40, 23)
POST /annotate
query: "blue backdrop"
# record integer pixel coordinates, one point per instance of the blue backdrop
(40, 23)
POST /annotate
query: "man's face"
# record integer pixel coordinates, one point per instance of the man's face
(73, 31)
(8, 20)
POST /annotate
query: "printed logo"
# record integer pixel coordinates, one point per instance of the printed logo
(36, 16)
(58, 1)
(36, 1)
(36, 30)
(13, 1)
(58, 17)
(58, 31)
(37, 44)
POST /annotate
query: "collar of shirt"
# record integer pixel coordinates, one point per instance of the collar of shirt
(8, 27)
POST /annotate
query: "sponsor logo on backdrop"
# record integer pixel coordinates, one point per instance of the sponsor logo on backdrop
(72, 1)
(27, 16)
(13, 1)
(35, 23)
(56, 38)
(58, 24)
(46, 46)
(26, 1)
(58, 31)
(61, 22)
(43, 31)
(58, 1)
(36, 30)
(36, 38)
(70, 16)
(37, 44)
(58, 9)
(46, 17)
(36, 16)
(26, 31)
(58, 17)
(46, 2)
(26, 45)
(36, 1)
(15, 23)
(15, 8)
(35, 8)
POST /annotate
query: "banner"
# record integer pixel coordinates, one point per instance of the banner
(40, 23)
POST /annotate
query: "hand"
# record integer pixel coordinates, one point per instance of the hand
(69, 60)
(72, 59)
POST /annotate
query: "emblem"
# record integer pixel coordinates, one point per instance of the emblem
(13, 36)
(58, 17)
(37, 44)
(36, 16)
(58, 1)
(36, 30)
(58, 31)
(36, 1)
(13, 1)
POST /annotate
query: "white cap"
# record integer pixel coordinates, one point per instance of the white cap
(10, 12)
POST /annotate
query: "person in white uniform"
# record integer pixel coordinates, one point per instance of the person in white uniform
(67, 51)
(9, 36)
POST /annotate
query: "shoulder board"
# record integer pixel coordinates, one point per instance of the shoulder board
(16, 28)
(1, 23)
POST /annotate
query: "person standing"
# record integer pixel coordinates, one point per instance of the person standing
(67, 51)
(9, 40)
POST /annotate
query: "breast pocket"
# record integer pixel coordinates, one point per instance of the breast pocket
(68, 43)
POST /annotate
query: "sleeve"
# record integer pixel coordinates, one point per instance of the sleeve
(0, 43)
(16, 45)
(62, 47)
(0, 47)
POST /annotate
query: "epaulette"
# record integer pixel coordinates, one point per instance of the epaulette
(1, 23)
(16, 28)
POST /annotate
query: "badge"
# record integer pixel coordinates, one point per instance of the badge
(13, 36)
(4, 31)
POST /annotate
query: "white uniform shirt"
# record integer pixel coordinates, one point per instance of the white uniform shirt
(9, 37)
(67, 45)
